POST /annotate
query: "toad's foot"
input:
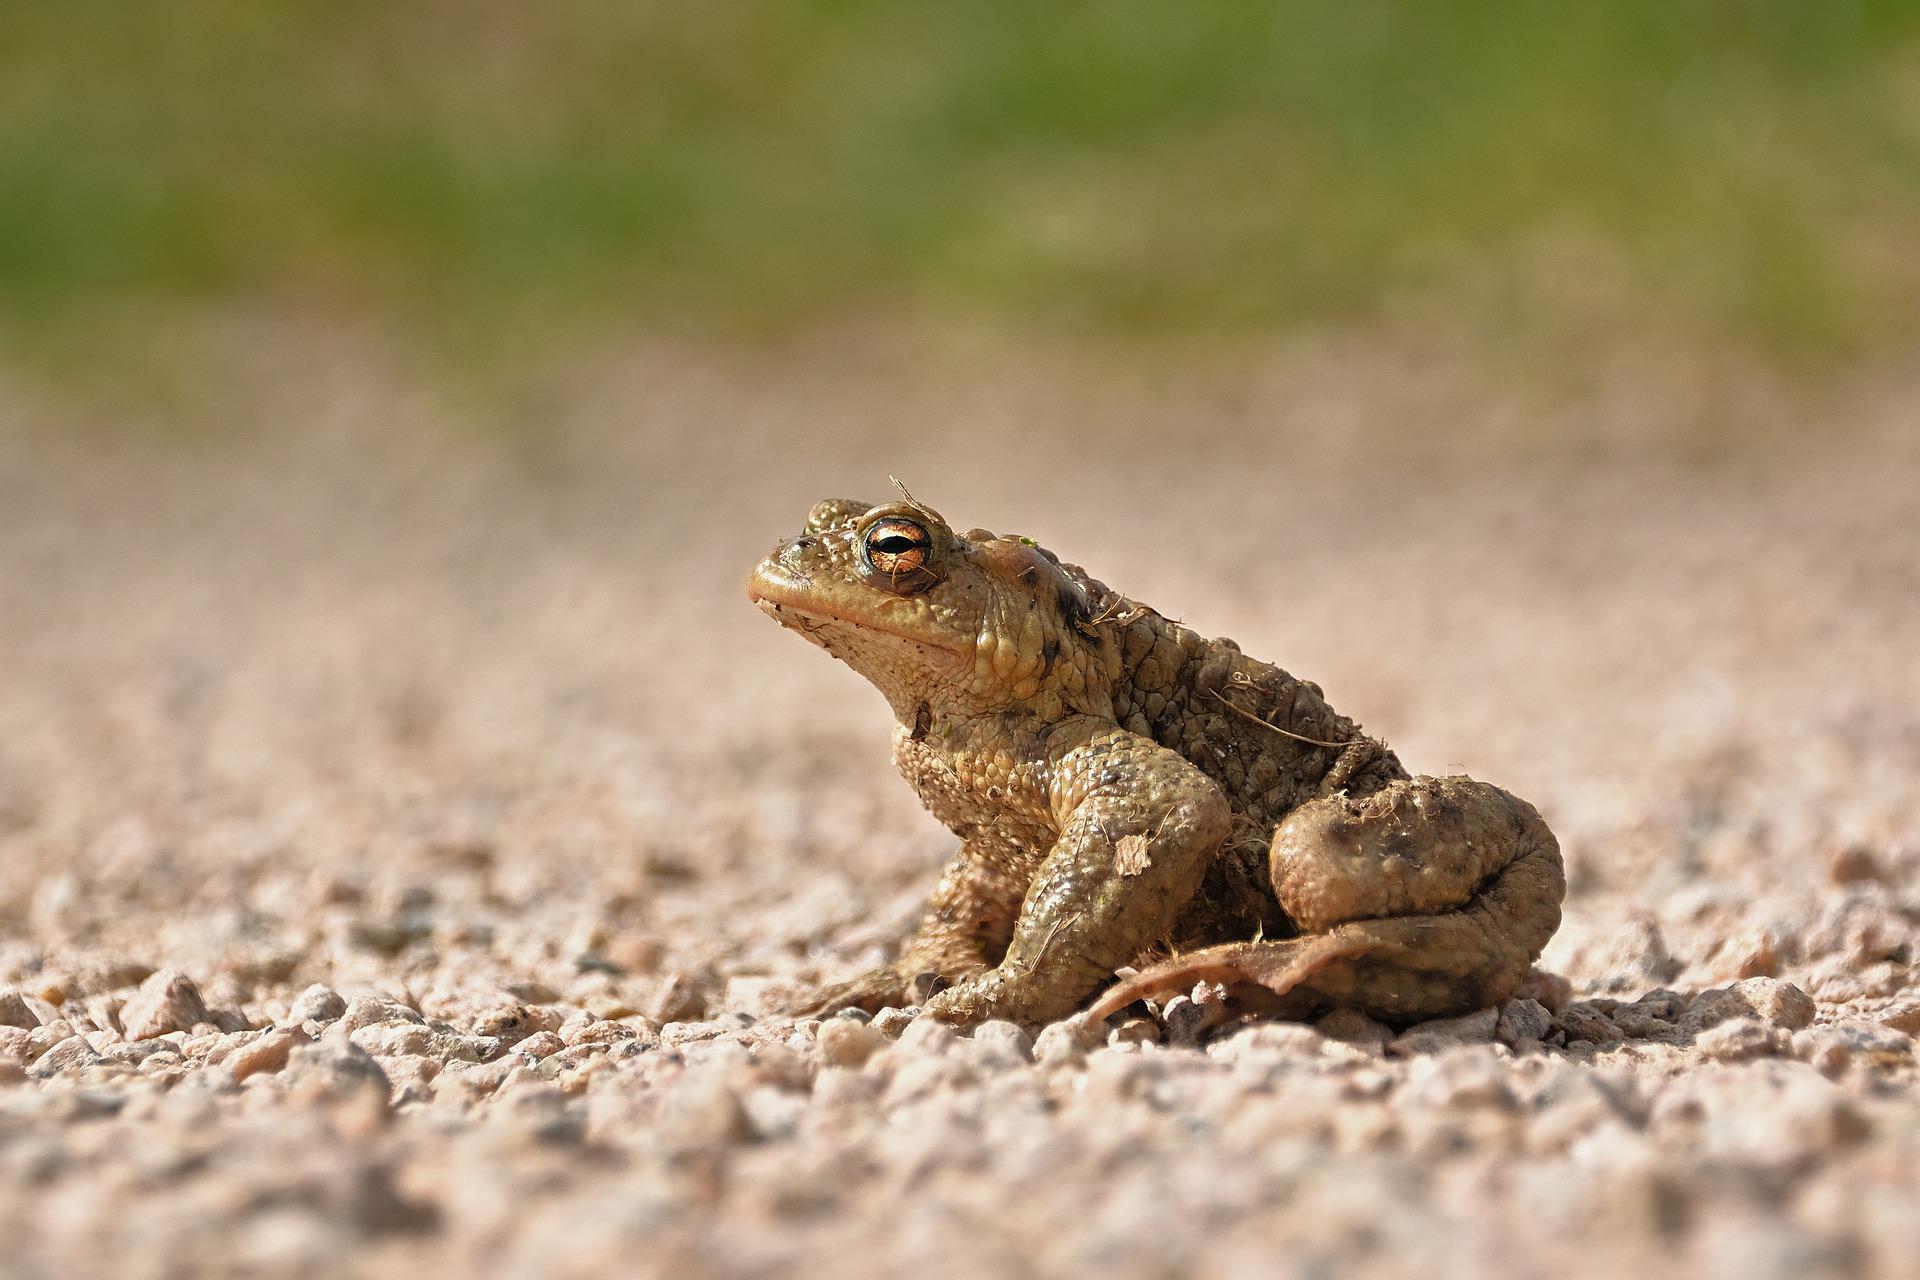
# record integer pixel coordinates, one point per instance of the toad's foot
(1431, 897)
(905, 983)
(990, 995)
(874, 990)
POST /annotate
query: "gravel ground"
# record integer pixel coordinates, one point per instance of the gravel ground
(407, 845)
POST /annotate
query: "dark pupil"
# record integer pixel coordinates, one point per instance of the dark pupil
(894, 544)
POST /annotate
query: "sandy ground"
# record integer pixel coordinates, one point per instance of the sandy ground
(407, 842)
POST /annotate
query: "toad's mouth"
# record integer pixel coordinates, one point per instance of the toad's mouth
(789, 599)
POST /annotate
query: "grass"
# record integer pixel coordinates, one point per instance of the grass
(505, 179)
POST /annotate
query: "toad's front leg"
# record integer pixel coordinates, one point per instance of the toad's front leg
(967, 923)
(1138, 825)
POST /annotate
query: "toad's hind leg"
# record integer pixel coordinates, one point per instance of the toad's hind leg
(1429, 897)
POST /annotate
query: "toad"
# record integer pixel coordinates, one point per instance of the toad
(1128, 792)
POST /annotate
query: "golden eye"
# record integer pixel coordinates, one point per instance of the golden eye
(897, 550)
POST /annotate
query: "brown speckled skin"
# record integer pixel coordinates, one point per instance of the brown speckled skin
(1126, 791)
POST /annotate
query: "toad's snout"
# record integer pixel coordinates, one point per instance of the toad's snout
(779, 578)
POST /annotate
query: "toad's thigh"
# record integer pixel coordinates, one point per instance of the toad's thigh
(1414, 847)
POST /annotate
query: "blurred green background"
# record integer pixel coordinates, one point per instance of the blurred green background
(507, 183)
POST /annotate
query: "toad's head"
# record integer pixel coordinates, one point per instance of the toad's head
(959, 622)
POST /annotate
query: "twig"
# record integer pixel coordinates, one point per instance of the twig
(1285, 733)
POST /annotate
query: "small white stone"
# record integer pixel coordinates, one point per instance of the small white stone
(368, 1011)
(1060, 1045)
(316, 1004)
(1740, 1038)
(842, 1042)
(927, 1036)
(702, 1111)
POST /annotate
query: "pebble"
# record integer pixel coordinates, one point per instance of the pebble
(567, 1059)
(842, 1042)
(892, 1022)
(539, 1045)
(1750, 953)
(573, 1025)
(167, 1001)
(70, 1054)
(999, 1039)
(1117, 1076)
(1059, 1045)
(334, 1069)
(1463, 1076)
(774, 1114)
(844, 1088)
(468, 1082)
(919, 1078)
(1903, 1016)
(604, 1031)
(369, 1011)
(1807, 1117)
(1659, 1003)
(677, 998)
(48, 1034)
(1522, 1019)
(385, 1039)
(927, 1036)
(1188, 1021)
(701, 1111)
(1352, 1027)
(1835, 1047)
(104, 1012)
(1552, 990)
(227, 1045)
(1265, 1042)
(14, 1011)
(409, 1071)
(268, 1053)
(678, 1034)
(782, 1067)
(1739, 1038)
(17, 1043)
(1854, 864)
(1780, 1003)
(317, 1004)
(1580, 1021)
(1637, 1022)
(1444, 1033)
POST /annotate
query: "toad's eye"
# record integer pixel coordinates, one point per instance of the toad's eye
(897, 551)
